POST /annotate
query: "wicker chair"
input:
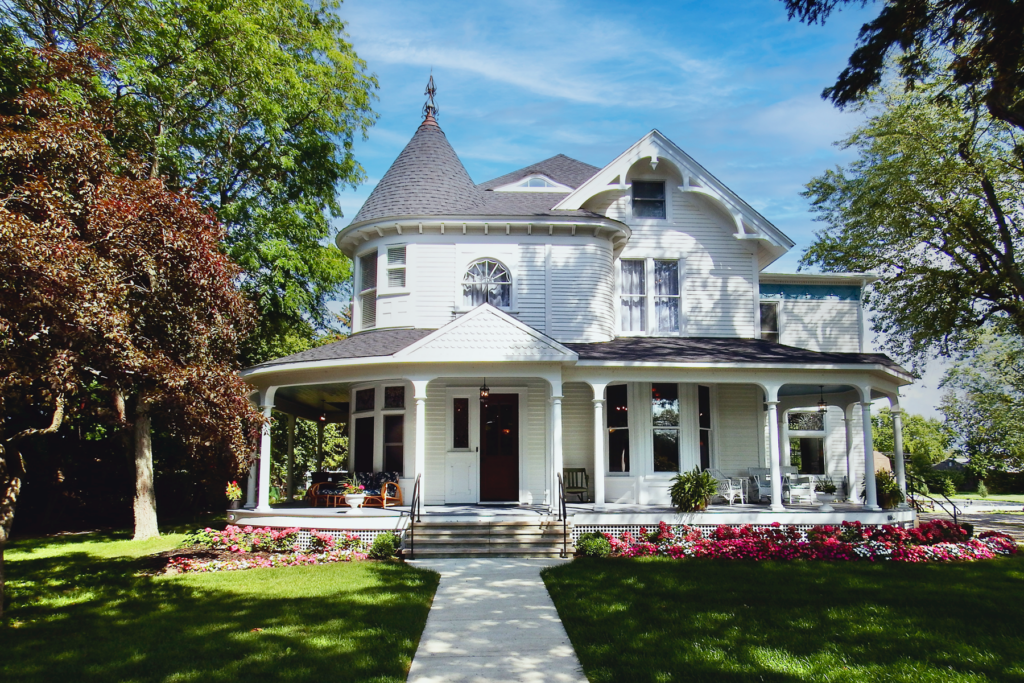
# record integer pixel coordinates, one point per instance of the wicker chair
(325, 494)
(381, 488)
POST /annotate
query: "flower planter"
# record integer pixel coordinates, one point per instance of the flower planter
(234, 505)
(355, 499)
(826, 501)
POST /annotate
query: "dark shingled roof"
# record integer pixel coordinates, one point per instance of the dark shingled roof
(719, 350)
(526, 204)
(427, 178)
(362, 345)
(560, 168)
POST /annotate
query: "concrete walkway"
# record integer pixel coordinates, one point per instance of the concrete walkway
(492, 621)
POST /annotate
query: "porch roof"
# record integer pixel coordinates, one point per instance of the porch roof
(720, 350)
(361, 345)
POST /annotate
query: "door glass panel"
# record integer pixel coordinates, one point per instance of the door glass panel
(460, 423)
(618, 432)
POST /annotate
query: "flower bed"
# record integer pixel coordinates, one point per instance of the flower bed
(937, 541)
(209, 550)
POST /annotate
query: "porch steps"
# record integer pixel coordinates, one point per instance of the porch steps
(480, 538)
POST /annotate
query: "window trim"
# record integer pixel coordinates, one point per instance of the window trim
(384, 288)
(649, 295)
(360, 292)
(378, 414)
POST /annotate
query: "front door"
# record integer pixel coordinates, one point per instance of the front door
(499, 448)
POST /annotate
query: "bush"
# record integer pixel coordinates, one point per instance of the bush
(948, 487)
(593, 544)
(385, 546)
(982, 489)
(692, 491)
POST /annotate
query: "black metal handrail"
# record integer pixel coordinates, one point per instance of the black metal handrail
(914, 491)
(563, 515)
(414, 516)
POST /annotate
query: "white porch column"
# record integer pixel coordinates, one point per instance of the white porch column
(320, 446)
(419, 391)
(599, 445)
(263, 501)
(774, 452)
(848, 436)
(556, 442)
(897, 447)
(870, 491)
(290, 472)
(250, 488)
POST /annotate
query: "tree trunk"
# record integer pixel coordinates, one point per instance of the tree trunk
(145, 495)
(11, 487)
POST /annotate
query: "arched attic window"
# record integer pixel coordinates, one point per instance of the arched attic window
(487, 281)
(537, 182)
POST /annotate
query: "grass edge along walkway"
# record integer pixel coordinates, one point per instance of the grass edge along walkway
(77, 610)
(665, 620)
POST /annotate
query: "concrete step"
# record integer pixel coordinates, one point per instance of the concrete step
(467, 533)
(421, 553)
(479, 538)
(484, 542)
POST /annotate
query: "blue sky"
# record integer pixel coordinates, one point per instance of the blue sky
(733, 82)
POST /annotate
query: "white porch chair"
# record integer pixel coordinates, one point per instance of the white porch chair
(800, 489)
(729, 488)
(762, 479)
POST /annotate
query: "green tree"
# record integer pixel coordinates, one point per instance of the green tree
(106, 274)
(925, 438)
(984, 35)
(254, 106)
(984, 402)
(932, 204)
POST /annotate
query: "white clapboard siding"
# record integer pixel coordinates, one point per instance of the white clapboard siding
(821, 325)
(433, 284)
(739, 413)
(535, 441)
(718, 289)
(835, 444)
(532, 287)
(437, 445)
(578, 427)
(581, 298)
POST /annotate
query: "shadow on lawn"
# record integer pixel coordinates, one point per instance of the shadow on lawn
(76, 617)
(666, 620)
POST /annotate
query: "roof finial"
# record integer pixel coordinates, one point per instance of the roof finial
(430, 109)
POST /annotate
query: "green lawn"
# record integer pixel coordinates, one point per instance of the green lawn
(76, 611)
(730, 621)
(993, 497)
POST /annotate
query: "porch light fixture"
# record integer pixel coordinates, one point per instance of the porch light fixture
(485, 391)
(323, 411)
(822, 405)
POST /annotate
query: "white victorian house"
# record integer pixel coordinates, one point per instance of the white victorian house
(622, 321)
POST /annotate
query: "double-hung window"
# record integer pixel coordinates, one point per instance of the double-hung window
(368, 290)
(643, 279)
(648, 199)
(618, 428)
(665, 420)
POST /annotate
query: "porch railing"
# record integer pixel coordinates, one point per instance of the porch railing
(414, 516)
(563, 517)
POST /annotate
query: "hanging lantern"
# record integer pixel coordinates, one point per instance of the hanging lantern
(485, 391)
(822, 405)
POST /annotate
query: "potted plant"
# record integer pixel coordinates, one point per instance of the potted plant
(692, 491)
(825, 491)
(354, 494)
(234, 493)
(887, 489)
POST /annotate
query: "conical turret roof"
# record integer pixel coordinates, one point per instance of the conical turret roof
(427, 178)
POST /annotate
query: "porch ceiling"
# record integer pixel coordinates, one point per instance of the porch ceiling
(313, 400)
